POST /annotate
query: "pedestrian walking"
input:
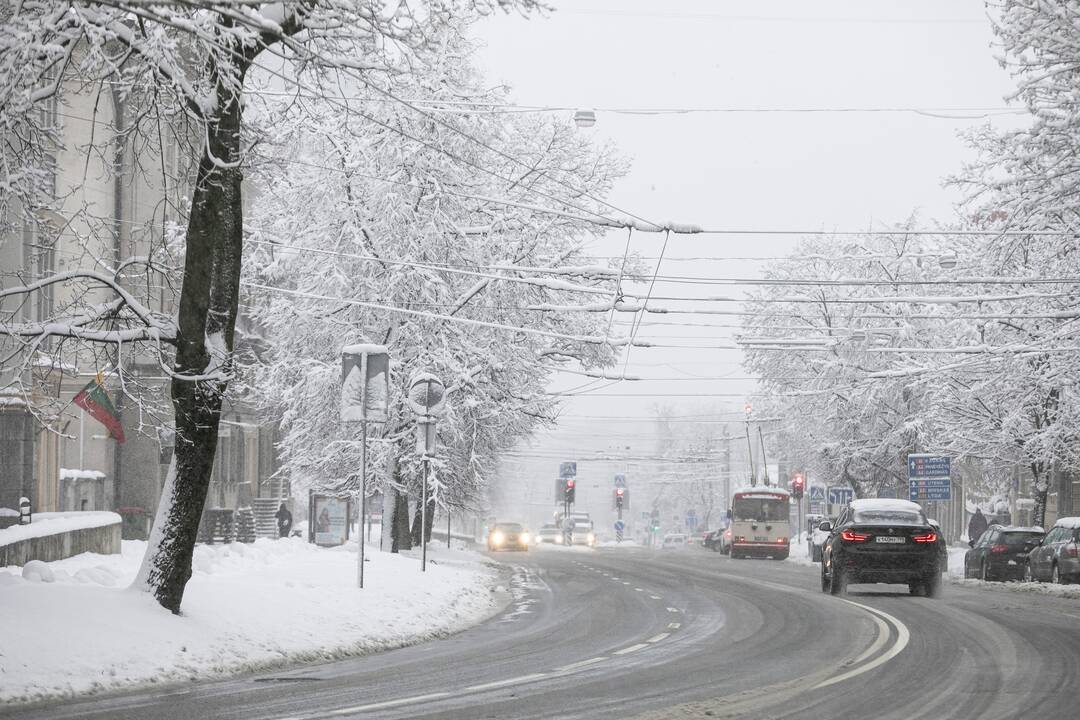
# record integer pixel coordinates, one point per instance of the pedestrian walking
(977, 525)
(284, 521)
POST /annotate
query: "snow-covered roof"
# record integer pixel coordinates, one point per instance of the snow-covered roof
(1021, 528)
(762, 490)
(1069, 522)
(884, 505)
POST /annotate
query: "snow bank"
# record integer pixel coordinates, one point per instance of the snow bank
(74, 474)
(52, 523)
(247, 607)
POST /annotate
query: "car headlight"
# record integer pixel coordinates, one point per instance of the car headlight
(524, 538)
(591, 538)
(558, 539)
(497, 538)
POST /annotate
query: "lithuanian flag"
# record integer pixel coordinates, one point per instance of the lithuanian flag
(94, 400)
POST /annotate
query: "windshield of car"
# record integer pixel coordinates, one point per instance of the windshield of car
(760, 509)
(1020, 538)
(889, 517)
(508, 527)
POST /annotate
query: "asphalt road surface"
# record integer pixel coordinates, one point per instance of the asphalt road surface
(624, 633)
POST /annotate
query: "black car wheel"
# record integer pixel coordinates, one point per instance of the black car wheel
(837, 580)
(824, 579)
(1056, 577)
(984, 575)
(933, 585)
(915, 588)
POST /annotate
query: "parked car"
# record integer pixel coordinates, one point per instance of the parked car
(549, 534)
(724, 544)
(881, 541)
(673, 541)
(1001, 553)
(508, 536)
(1056, 558)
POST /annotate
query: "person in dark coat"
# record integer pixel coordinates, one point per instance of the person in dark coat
(977, 525)
(284, 521)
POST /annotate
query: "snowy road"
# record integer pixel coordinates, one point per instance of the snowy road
(632, 632)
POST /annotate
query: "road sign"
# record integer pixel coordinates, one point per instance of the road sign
(924, 489)
(619, 526)
(920, 466)
(568, 469)
(839, 495)
(620, 480)
(817, 494)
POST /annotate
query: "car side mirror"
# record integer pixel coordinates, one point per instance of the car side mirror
(825, 526)
(971, 543)
(729, 514)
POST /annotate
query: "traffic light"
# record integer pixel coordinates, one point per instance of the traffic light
(568, 490)
(798, 485)
(620, 494)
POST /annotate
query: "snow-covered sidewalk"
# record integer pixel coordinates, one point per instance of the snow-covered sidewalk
(246, 607)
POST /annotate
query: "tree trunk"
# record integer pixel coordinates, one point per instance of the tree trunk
(205, 324)
(1040, 486)
(402, 537)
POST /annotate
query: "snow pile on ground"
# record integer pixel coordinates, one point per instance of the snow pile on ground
(246, 607)
(51, 523)
(800, 552)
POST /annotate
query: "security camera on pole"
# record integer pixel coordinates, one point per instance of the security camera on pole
(365, 395)
(426, 398)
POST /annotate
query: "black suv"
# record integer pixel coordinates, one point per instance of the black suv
(1001, 553)
(881, 541)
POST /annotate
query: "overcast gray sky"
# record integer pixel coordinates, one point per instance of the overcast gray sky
(746, 170)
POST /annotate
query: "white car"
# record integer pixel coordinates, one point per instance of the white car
(550, 534)
(673, 541)
(581, 533)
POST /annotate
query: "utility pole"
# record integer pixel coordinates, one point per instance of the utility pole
(749, 445)
(764, 462)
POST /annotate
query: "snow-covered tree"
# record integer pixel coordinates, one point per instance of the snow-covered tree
(451, 233)
(185, 65)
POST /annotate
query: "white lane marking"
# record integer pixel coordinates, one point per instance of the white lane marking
(510, 681)
(673, 609)
(625, 583)
(381, 705)
(658, 638)
(655, 597)
(632, 648)
(902, 638)
(674, 626)
(583, 663)
(638, 590)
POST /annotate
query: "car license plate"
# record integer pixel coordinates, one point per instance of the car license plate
(889, 539)
(760, 539)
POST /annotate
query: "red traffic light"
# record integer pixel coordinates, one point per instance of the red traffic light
(569, 482)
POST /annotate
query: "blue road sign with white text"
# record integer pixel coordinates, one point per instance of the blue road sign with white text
(839, 495)
(928, 466)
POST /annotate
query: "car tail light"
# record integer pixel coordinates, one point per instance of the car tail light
(998, 549)
(852, 536)
(740, 538)
(780, 541)
(930, 537)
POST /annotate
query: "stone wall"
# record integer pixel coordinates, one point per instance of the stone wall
(104, 540)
